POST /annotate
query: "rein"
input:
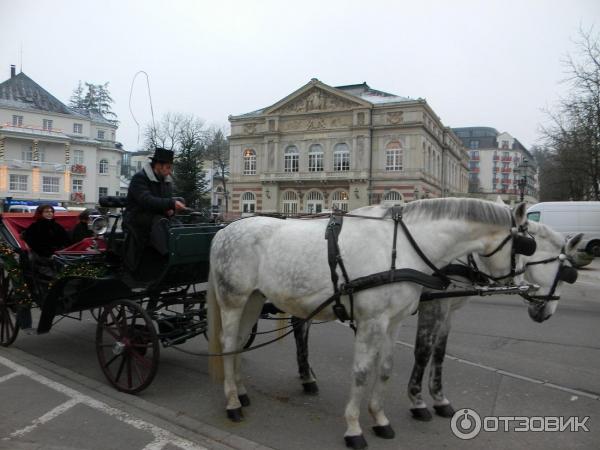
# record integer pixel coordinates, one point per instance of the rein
(563, 273)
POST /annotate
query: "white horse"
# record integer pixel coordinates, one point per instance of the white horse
(547, 268)
(286, 261)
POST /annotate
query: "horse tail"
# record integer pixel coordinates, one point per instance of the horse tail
(215, 329)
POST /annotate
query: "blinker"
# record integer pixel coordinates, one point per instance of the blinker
(568, 274)
(524, 245)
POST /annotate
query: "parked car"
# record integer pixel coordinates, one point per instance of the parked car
(570, 218)
(30, 208)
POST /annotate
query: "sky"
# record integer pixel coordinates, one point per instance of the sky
(477, 63)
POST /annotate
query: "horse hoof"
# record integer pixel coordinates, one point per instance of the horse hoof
(384, 431)
(244, 399)
(421, 414)
(444, 410)
(310, 388)
(356, 442)
(235, 415)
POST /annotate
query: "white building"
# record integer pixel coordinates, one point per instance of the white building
(50, 152)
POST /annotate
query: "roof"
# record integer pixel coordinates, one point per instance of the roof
(22, 92)
(362, 91)
(94, 116)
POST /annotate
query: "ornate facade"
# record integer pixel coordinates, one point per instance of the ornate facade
(325, 147)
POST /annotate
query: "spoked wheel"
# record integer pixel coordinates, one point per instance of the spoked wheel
(8, 311)
(127, 346)
(95, 312)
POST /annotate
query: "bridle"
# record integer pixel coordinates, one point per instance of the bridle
(565, 273)
(521, 245)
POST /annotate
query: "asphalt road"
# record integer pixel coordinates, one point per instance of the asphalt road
(500, 363)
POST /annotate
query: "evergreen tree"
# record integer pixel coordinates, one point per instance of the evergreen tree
(77, 98)
(95, 98)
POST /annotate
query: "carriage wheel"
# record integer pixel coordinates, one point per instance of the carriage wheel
(8, 308)
(127, 346)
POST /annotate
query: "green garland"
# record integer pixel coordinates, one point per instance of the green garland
(10, 261)
(84, 269)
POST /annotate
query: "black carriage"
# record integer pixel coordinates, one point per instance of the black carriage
(135, 316)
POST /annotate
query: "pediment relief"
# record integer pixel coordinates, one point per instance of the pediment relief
(315, 100)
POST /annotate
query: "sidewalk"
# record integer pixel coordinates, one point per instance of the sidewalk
(39, 412)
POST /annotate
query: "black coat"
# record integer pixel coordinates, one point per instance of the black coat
(147, 198)
(45, 237)
(81, 231)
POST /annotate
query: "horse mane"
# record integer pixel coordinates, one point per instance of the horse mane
(469, 209)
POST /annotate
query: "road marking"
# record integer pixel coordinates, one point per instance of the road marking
(9, 376)
(514, 375)
(162, 437)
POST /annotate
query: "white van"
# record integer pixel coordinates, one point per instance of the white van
(570, 218)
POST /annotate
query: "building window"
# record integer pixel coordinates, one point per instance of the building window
(339, 200)
(392, 198)
(77, 128)
(103, 167)
(504, 144)
(50, 185)
(47, 125)
(473, 144)
(290, 159)
(249, 162)
(17, 121)
(290, 202)
(341, 157)
(77, 185)
(248, 202)
(100, 134)
(315, 158)
(102, 192)
(17, 182)
(77, 156)
(314, 202)
(27, 153)
(393, 156)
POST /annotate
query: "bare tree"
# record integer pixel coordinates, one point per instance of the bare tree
(573, 136)
(218, 152)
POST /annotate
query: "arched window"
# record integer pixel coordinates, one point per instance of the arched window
(339, 200)
(393, 156)
(314, 202)
(315, 158)
(289, 202)
(103, 166)
(341, 157)
(248, 202)
(249, 162)
(290, 159)
(392, 198)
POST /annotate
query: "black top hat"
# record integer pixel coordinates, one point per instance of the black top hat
(162, 155)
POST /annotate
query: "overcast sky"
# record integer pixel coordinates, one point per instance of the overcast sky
(477, 63)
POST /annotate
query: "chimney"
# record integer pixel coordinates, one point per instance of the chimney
(12, 71)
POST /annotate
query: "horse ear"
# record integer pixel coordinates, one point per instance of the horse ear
(572, 243)
(520, 214)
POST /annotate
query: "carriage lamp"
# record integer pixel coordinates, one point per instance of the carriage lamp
(268, 193)
(356, 192)
(98, 225)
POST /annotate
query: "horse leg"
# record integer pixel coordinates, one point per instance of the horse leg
(369, 337)
(427, 328)
(441, 404)
(249, 317)
(309, 382)
(230, 319)
(385, 365)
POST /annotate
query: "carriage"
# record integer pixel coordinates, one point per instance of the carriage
(135, 316)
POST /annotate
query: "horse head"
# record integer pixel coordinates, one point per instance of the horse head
(549, 267)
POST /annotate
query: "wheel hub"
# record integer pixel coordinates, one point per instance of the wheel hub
(118, 348)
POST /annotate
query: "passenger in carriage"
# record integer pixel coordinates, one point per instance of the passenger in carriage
(82, 230)
(45, 235)
(150, 205)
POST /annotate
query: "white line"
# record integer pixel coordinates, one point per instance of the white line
(45, 418)
(514, 375)
(9, 376)
(160, 435)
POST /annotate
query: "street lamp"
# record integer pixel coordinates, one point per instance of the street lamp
(522, 183)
